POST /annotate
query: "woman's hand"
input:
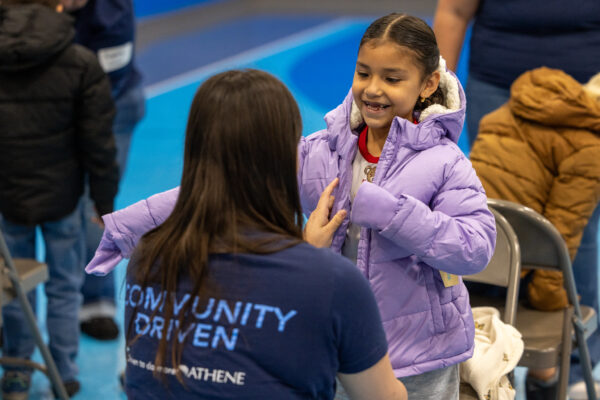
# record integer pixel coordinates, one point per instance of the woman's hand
(319, 229)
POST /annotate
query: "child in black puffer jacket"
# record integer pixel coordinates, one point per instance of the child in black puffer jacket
(56, 116)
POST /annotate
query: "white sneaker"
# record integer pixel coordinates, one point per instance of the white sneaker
(577, 391)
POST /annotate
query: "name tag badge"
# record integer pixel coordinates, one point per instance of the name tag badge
(114, 58)
(449, 279)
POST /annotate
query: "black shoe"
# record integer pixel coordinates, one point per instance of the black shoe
(537, 389)
(71, 387)
(122, 380)
(101, 328)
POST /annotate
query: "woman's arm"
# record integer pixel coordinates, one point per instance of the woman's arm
(450, 24)
(375, 383)
(456, 235)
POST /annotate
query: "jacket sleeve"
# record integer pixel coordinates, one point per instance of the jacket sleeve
(302, 152)
(94, 120)
(124, 228)
(456, 235)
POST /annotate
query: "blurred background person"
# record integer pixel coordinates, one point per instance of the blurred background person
(542, 150)
(56, 113)
(508, 38)
(107, 27)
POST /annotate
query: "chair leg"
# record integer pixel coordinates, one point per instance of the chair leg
(31, 321)
(565, 354)
(584, 357)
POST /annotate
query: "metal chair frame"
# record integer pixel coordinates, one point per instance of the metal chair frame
(542, 247)
(24, 275)
(503, 270)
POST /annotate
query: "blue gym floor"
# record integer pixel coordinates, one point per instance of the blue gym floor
(313, 55)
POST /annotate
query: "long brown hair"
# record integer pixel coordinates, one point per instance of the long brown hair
(239, 179)
(414, 34)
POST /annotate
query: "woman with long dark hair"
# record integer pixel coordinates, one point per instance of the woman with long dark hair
(224, 299)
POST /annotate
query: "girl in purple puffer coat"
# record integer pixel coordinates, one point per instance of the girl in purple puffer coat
(418, 213)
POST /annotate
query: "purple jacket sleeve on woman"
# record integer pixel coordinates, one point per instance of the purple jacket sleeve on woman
(124, 228)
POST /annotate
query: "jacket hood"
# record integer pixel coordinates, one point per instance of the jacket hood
(435, 122)
(30, 34)
(551, 97)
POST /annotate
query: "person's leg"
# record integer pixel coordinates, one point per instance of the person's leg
(585, 270)
(340, 393)
(64, 256)
(98, 310)
(441, 383)
(18, 340)
(482, 98)
(434, 385)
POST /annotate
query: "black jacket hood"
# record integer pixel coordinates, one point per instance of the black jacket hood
(30, 34)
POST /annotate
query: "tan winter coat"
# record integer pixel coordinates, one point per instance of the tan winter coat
(542, 150)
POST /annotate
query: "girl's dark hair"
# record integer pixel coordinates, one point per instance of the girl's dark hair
(414, 34)
(238, 194)
(48, 3)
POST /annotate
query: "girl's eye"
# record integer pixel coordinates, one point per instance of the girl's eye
(393, 80)
(362, 74)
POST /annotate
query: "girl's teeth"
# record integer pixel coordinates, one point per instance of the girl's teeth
(375, 107)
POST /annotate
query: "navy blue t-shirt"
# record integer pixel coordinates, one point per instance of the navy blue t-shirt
(281, 326)
(110, 24)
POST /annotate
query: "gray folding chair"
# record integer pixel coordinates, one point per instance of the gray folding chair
(503, 270)
(548, 336)
(24, 275)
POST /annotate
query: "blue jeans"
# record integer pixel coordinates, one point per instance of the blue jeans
(64, 256)
(482, 99)
(101, 289)
(585, 269)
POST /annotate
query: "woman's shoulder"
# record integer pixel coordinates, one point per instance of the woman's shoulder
(315, 257)
(322, 262)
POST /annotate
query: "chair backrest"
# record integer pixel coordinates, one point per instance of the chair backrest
(542, 246)
(504, 267)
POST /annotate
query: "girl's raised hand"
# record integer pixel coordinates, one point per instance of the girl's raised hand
(319, 229)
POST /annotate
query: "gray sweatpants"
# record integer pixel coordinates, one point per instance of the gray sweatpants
(440, 384)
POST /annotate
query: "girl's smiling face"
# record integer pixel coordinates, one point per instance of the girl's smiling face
(387, 83)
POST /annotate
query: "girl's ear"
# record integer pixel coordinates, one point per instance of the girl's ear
(431, 84)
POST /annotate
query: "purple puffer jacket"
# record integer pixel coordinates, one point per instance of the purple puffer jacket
(425, 211)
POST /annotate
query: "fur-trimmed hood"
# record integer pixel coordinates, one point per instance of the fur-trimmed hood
(435, 122)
